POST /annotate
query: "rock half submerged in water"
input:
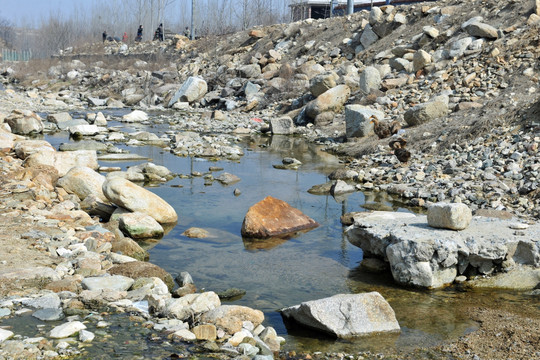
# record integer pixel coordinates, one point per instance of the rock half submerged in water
(346, 315)
(272, 217)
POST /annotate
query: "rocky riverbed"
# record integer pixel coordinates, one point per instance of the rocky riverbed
(461, 81)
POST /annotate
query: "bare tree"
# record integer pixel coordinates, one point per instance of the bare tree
(7, 33)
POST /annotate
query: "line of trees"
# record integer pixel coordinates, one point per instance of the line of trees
(63, 28)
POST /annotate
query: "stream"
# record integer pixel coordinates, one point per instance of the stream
(280, 273)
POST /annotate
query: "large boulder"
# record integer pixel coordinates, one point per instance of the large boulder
(346, 315)
(249, 71)
(453, 216)
(331, 100)
(423, 256)
(7, 140)
(368, 37)
(64, 161)
(84, 130)
(272, 217)
(193, 89)
(83, 181)
(59, 117)
(25, 148)
(141, 269)
(231, 317)
(370, 79)
(427, 112)
(323, 82)
(282, 126)
(24, 123)
(479, 29)
(130, 196)
(138, 225)
(357, 120)
(135, 116)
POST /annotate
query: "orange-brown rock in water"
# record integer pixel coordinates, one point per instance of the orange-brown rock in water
(272, 217)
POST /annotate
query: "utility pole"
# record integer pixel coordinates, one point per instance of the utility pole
(350, 7)
(192, 20)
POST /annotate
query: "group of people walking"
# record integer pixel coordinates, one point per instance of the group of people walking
(158, 34)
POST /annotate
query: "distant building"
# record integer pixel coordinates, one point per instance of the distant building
(321, 9)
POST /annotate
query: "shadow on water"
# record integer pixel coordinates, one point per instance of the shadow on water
(280, 273)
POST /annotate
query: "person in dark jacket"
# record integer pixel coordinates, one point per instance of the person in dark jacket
(104, 35)
(139, 33)
(158, 35)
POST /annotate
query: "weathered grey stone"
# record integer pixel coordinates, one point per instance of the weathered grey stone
(423, 256)
(115, 282)
(67, 329)
(368, 37)
(193, 89)
(323, 82)
(130, 196)
(228, 179)
(47, 301)
(370, 79)
(249, 71)
(458, 47)
(431, 31)
(400, 64)
(357, 122)
(346, 315)
(282, 126)
(421, 59)
(192, 304)
(147, 286)
(251, 89)
(482, 30)
(426, 112)
(454, 216)
(376, 15)
(59, 117)
(93, 101)
(65, 125)
(49, 314)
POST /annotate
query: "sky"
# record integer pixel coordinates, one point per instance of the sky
(32, 10)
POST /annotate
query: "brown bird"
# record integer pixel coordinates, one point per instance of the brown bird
(384, 129)
(398, 145)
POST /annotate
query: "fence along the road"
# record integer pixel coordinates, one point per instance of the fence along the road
(15, 55)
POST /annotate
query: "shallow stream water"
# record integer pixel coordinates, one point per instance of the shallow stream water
(313, 265)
